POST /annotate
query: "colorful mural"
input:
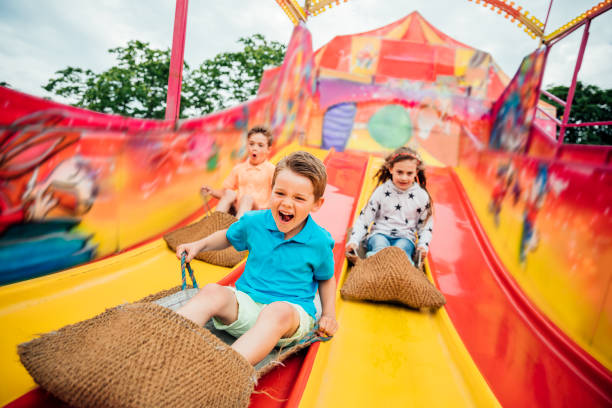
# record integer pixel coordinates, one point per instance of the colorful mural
(432, 83)
(72, 194)
(548, 223)
(78, 186)
(514, 111)
(289, 103)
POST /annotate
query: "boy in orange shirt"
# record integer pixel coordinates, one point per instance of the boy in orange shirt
(249, 184)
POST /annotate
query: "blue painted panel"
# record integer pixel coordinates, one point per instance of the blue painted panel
(337, 125)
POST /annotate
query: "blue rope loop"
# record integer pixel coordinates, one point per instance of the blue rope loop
(191, 275)
(312, 337)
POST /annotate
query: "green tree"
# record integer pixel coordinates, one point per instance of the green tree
(137, 85)
(232, 77)
(5, 84)
(590, 104)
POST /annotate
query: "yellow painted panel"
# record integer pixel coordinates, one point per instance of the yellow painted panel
(399, 31)
(462, 58)
(364, 55)
(430, 34)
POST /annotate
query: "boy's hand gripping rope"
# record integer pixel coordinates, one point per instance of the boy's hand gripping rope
(312, 337)
(193, 280)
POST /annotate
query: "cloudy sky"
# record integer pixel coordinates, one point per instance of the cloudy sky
(39, 37)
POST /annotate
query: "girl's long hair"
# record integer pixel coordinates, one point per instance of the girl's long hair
(405, 153)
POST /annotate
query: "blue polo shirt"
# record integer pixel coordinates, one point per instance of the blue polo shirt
(279, 269)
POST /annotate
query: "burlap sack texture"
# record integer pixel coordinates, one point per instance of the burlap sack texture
(388, 276)
(275, 358)
(139, 355)
(78, 363)
(216, 221)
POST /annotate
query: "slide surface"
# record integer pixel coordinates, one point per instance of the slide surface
(382, 355)
(47, 303)
(388, 355)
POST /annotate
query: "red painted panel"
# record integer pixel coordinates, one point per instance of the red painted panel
(18, 109)
(444, 61)
(415, 32)
(586, 153)
(406, 60)
(334, 50)
(541, 145)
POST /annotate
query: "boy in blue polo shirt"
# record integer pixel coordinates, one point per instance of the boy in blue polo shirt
(290, 256)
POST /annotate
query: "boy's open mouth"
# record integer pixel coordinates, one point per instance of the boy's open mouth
(285, 217)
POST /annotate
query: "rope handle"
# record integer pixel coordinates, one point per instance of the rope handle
(191, 275)
(206, 206)
(312, 337)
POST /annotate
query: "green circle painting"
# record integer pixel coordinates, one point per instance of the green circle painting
(390, 126)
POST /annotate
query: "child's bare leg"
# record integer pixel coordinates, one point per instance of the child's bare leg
(277, 320)
(245, 204)
(212, 300)
(226, 201)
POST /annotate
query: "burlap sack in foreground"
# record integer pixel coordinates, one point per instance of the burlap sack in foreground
(216, 221)
(139, 355)
(388, 276)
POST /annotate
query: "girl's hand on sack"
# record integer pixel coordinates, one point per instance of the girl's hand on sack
(351, 253)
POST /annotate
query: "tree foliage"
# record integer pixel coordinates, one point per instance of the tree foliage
(590, 104)
(137, 85)
(232, 77)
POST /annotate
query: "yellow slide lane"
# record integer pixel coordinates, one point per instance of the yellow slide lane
(390, 356)
(36, 306)
(40, 305)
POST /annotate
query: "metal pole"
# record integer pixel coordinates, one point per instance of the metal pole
(570, 95)
(175, 77)
(546, 22)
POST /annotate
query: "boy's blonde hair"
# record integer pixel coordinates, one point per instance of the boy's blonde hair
(306, 165)
(263, 130)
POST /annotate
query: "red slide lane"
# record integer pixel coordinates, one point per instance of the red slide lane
(525, 359)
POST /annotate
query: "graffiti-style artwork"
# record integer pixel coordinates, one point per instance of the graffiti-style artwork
(289, 103)
(505, 181)
(550, 225)
(42, 198)
(508, 189)
(533, 203)
(514, 111)
(364, 55)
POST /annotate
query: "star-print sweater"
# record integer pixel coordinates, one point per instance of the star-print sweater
(395, 213)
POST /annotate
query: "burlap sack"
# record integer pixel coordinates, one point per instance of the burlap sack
(216, 221)
(139, 355)
(388, 276)
(175, 297)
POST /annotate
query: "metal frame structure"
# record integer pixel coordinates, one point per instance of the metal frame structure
(296, 13)
(175, 76)
(550, 40)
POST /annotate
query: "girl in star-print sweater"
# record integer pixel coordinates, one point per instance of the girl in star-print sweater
(399, 212)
